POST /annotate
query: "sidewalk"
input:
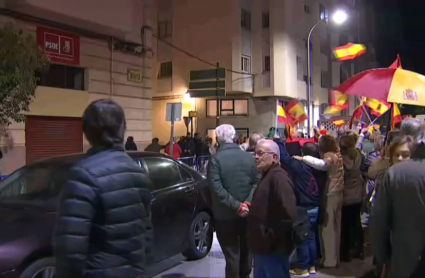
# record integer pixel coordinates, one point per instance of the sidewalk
(213, 267)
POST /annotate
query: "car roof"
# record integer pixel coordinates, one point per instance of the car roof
(74, 158)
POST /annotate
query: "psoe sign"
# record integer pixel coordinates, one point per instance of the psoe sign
(59, 46)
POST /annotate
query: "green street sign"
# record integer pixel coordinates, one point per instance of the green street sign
(206, 84)
(208, 93)
(219, 73)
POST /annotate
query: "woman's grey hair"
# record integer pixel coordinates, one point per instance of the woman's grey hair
(410, 127)
(271, 146)
(225, 133)
(378, 144)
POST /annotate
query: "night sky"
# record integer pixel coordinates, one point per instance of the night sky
(400, 26)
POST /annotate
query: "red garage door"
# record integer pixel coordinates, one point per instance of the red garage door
(52, 136)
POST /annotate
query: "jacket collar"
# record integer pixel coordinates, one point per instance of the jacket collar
(227, 146)
(95, 150)
(272, 168)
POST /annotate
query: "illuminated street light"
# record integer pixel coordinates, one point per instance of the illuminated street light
(339, 17)
(187, 96)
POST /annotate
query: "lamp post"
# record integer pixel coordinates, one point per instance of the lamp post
(338, 17)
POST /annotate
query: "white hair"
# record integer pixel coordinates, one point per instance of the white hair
(225, 133)
(410, 127)
(271, 146)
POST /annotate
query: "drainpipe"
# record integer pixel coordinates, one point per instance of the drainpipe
(111, 84)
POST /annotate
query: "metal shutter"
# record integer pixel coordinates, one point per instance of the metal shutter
(47, 137)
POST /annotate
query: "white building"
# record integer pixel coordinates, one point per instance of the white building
(264, 39)
(86, 71)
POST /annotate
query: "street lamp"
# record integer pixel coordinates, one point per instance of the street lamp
(338, 17)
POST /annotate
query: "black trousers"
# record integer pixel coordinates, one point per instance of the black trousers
(231, 236)
(352, 238)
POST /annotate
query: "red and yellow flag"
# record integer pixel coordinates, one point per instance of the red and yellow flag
(396, 116)
(339, 122)
(281, 114)
(357, 114)
(378, 108)
(339, 102)
(296, 110)
(349, 51)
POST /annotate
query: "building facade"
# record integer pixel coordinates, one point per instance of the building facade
(262, 45)
(96, 52)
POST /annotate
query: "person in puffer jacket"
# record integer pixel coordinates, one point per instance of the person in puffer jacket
(103, 227)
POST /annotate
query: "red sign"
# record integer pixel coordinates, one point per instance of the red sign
(59, 46)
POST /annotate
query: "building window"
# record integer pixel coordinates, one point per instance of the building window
(267, 63)
(323, 12)
(246, 64)
(166, 70)
(228, 107)
(245, 19)
(324, 79)
(306, 9)
(266, 20)
(300, 69)
(61, 76)
(165, 29)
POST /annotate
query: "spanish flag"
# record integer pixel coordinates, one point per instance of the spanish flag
(339, 122)
(357, 114)
(349, 51)
(395, 116)
(378, 108)
(280, 113)
(374, 127)
(339, 102)
(296, 110)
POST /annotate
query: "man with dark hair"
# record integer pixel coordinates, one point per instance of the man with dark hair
(154, 146)
(103, 226)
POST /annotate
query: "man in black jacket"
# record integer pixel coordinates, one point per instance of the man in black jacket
(103, 226)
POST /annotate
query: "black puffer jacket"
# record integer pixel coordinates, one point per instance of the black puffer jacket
(103, 227)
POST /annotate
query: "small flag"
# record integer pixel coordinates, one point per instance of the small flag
(349, 51)
(281, 115)
(374, 127)
(339, 102)
(339, 122)
(357, 114)
(378, 108)
(396, 116)
(296, 110)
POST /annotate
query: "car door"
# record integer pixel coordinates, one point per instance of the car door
(173, 205)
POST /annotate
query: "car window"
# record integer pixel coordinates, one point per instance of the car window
(27, 181)
(163, 172)
(186, 176)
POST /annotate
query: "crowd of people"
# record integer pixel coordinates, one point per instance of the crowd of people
(318, 188)
(281, 204)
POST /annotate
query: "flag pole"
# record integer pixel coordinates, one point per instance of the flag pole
(277, 115)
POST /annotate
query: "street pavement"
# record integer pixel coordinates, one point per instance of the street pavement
(213, 267)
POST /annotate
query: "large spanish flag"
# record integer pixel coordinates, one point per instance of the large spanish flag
(378, 108)
(296, 110)
(349, 51)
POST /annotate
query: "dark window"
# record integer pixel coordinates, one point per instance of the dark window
(35, 182)
(323, 12)
(266, 20)
(266, 63)
(166, 70)
(325, 79)
(65, 77)
(163, 172)
(245, 19)
(165, 29)
(306, 9)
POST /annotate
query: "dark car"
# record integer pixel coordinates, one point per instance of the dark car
(181, 212)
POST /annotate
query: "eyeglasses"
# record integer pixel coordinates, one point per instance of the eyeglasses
(261, 154)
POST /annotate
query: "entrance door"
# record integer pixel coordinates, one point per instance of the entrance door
(47, 137)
